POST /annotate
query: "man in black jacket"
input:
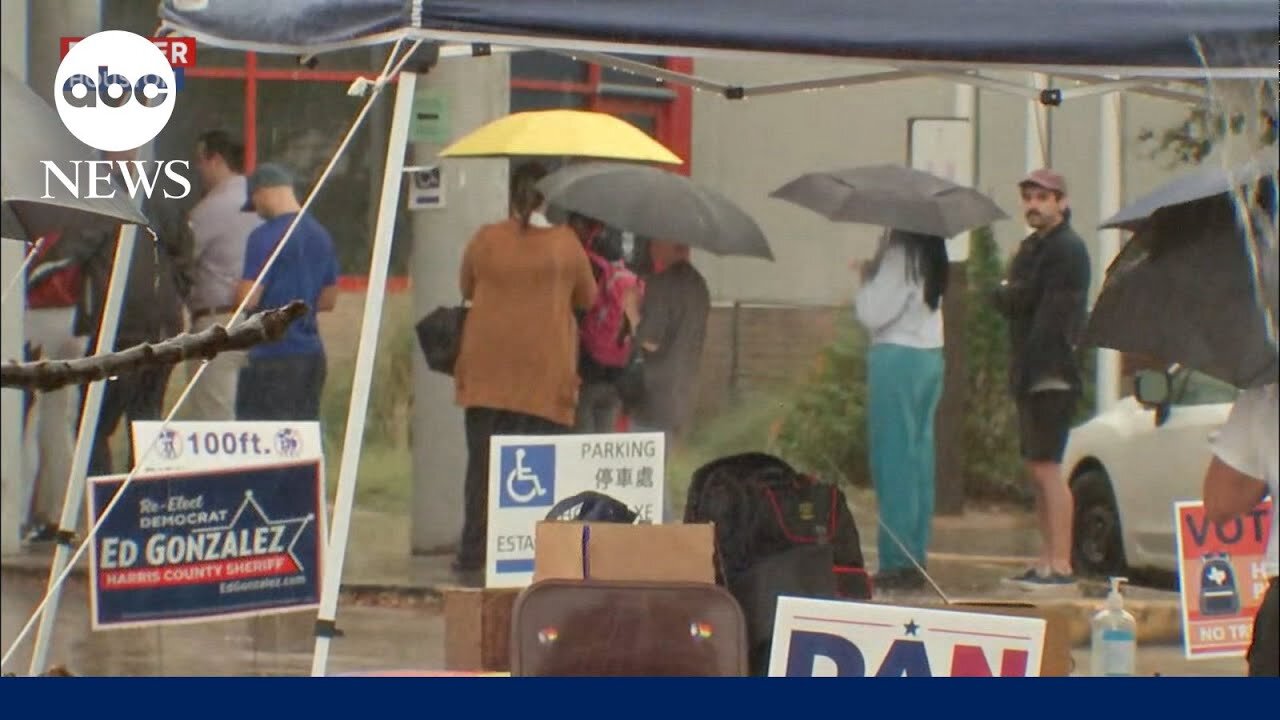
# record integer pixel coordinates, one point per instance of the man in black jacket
(1045, 301)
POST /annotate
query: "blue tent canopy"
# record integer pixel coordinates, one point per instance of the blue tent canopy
(1177, 38)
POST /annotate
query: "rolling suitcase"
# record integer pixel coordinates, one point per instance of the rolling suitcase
(614, 628)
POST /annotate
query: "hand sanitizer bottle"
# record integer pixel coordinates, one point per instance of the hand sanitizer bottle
(1114, 646)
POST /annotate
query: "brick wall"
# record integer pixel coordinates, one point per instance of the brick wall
(759, 347)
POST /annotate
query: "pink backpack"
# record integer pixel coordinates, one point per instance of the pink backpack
(605, 334)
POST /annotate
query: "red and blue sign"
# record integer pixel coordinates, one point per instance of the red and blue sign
(207, 545)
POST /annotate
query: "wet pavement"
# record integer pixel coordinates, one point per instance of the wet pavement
(390, 612)
(375, 638)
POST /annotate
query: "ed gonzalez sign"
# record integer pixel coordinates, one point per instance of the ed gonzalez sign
(115, 91)
(206, 545)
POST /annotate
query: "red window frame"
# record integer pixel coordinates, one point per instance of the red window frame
(673, 119)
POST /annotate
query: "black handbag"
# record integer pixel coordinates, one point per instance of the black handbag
(630, 380)
(440, 336)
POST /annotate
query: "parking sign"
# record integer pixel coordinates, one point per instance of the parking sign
(530, 474)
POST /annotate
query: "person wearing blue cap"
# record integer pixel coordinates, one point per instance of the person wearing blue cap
(284, 379)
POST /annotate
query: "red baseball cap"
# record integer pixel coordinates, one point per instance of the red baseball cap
(1045, 178)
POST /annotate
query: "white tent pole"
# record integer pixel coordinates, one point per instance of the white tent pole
(353, 442)
(1037, 137)
(1110, 177)
(126, 241)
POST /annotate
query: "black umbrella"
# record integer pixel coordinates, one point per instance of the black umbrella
(1202, 183)
(656, 204)
(32, 132)
(893, 196)
(1183, 290)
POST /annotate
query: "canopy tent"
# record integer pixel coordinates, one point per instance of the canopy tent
(1114, 44)
(1145, 37)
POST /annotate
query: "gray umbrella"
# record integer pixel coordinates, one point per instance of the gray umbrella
(32, 132)
(656, 204)
(892, 196)
(1203, 183)
(1183, 291)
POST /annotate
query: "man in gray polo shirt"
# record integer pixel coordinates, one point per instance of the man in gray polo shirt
(221, 229)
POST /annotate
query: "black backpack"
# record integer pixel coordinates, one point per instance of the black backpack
(778, 532)
(592, 506)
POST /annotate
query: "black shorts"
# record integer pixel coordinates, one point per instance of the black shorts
(1044, 421)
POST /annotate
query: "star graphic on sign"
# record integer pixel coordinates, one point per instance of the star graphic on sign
(911, 627)
(251, 515)
(1216, 576)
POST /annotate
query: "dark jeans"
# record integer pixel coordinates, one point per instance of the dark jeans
(482, 424)
(140, 396)
(1264, 652)
(281, 388)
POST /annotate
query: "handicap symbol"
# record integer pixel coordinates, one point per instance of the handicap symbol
(528, 476)
(523, 475)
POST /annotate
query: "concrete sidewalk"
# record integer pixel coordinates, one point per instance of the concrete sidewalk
(969, 559)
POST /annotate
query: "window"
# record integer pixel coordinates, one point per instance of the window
(300, 124)
(287, 111)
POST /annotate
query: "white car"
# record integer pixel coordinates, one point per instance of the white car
(1128, 466)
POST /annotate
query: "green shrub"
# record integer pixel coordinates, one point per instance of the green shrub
(826, 430)
(992, 467)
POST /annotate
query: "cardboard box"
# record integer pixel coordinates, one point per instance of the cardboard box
(612, 551)
(477, 629)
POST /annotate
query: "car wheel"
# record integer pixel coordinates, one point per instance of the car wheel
(1096, 546)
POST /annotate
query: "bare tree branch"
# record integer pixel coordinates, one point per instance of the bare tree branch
(47, 375)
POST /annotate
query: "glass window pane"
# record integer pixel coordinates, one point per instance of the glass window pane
(524, 100)
(300, 125)
(624, 77)
(141, 17)
(541, 65)
(644, 121)
(204, 104)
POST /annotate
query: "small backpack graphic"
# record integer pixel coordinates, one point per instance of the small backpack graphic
(605, 331)
(1218, 592)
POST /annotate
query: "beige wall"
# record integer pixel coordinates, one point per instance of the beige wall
(747, 148)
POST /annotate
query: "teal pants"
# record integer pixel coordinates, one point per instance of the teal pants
(904, 385)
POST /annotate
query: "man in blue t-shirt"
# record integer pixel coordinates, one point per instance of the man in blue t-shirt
(283, 379)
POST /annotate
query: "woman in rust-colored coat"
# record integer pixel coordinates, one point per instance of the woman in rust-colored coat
(517, 369)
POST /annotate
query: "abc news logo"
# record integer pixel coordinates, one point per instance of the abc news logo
(115, 91)
(99, 91)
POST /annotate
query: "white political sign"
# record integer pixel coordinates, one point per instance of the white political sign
(529, 474)
(834, 638)
(209, 445)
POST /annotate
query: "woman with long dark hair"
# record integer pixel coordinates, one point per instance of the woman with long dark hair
(900, 305)
(517, 368)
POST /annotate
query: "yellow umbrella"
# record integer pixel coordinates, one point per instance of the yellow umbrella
(577, 133)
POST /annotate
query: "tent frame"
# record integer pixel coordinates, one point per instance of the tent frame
(1040, 96)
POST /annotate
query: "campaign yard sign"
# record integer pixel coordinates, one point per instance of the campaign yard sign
(1223, 576)
(184, 547)
(833, 638)
(529, 474)
(200, 445)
